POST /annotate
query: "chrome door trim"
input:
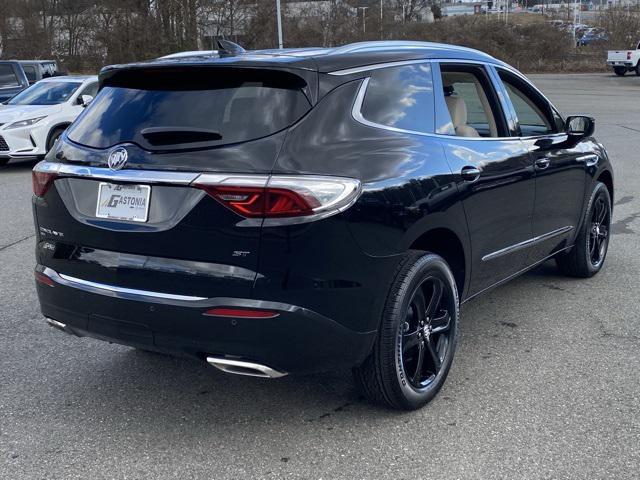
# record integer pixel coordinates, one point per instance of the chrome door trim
(356, 110)
(526, 243)
(112, 290)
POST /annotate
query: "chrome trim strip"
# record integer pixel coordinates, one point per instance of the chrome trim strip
(111, 290)
(376, 66)
(356, 113)
(589, 159)
(135, 176)
(241, 367)
(526, 243)
(516, 274)
(245, 180)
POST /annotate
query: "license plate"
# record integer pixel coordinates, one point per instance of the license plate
(123, 202)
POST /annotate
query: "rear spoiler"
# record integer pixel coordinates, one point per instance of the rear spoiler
(142, 74)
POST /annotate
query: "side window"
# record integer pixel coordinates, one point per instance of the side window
(401, 97)
(91, 89)
(535, 115)
(8, 77)
(30, 72)
(471, 102)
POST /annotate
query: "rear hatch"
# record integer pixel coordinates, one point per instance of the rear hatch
(619, 55)
(127, 199)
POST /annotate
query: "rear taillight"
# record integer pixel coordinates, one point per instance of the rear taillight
(279, 199)
(628, 55)
(42, 278)
(41, 182)
(252, 202)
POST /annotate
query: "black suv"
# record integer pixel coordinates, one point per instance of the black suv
(289, 211)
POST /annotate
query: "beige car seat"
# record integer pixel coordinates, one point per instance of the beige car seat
(458, 111)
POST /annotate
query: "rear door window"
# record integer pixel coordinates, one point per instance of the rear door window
(401, 97)
(472, 105)
(166, 109)
(8, 77)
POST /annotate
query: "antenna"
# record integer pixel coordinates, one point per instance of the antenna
(229, 49)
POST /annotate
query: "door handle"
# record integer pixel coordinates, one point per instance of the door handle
(470, 174)
(542, 163)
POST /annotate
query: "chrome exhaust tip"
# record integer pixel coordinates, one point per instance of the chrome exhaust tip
(241, 367)
(57, 324)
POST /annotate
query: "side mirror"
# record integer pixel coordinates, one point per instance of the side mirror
(85, 100)
(580, 126)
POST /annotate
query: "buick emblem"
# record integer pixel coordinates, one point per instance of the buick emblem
(117, 158)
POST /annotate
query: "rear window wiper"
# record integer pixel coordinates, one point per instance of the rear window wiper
(161, 136)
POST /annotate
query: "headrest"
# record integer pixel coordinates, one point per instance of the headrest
(457, 110)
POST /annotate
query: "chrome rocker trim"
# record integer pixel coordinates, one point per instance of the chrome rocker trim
(526, 243)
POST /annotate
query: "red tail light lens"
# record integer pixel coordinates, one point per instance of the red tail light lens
(240, 313)
(276, 199)
(41, 182)
(255, 202)
(628, 55)
(42, 278)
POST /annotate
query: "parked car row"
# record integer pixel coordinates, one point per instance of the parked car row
(33, 119)
(16, 75)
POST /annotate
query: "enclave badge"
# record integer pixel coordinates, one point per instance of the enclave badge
(117, 158)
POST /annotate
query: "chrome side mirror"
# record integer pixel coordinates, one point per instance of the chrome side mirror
(85, 100)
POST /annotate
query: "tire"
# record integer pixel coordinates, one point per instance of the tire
(3, 161)
(53, 137)
(393, 374)
(588, 254)
(620, 71)
(637, 70)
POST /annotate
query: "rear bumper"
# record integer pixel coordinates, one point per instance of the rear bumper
(297, 340)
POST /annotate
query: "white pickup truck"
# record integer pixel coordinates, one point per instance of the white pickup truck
(624, 61)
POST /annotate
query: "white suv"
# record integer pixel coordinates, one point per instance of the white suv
(32, 121)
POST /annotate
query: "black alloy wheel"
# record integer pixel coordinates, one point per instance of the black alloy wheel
(424, 334)
(587, 255)
(417, 338)
(599, 231)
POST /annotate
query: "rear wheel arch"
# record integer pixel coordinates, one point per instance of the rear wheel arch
(447, 244)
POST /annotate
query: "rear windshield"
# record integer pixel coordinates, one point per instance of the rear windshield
(176, 109)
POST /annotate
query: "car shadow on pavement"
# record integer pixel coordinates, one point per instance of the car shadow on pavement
(119, 383)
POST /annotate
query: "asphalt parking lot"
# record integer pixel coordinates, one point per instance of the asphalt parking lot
(545, 384)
